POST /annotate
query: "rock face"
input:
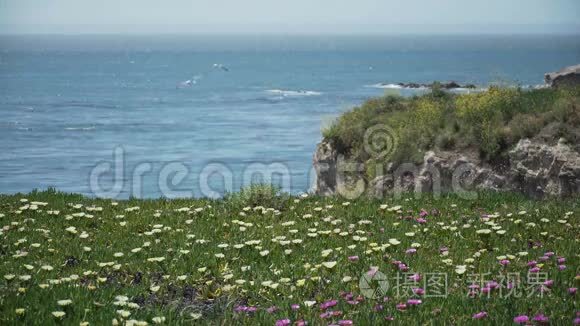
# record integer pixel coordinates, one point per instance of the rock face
(535, 169)
(569, 76)
(538, 170)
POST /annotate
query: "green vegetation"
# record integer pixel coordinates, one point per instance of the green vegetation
(488, 123)
(66, 259)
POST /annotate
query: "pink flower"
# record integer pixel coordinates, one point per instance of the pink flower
(504, 262)
(415, 277)
(401, 306)
(301, 323)
(295, 307)
(272, 309)
(572, 291)
(549, 283)
(423, 213)
(345, 322)
(283, 322)
(403, 267)
(353, 258)
(414, 302)
(521, 319)
(540, 318)
(419, 291)
(421, 220)
(372, 271)
(480, 315)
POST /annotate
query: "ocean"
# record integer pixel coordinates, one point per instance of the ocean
(180, 116)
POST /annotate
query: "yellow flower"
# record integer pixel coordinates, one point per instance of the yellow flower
(20, 311)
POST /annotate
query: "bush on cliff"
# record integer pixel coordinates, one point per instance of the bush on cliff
(489, 122)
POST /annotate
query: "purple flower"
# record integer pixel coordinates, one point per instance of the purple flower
(534, 269)
(421, 220)
(401, 306)
(283, 322)
(549, 283)
(295, 307)
(480, 315)
(411, 251)
(272, 309)
(521, 319)
(390, 318)
(301, 323)
(577, 321)
(562, 267)
(414, 302)
(540, 318)
(249, 309)
(353, 258)
(504, 262)
(378, 307)
(423, 213)
(572, 291)
(549, 254)
(328, 304)
(561, 260)
(443, 249)
(532, 263)
(345, 322)
(403, 267)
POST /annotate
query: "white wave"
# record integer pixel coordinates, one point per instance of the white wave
(293, 93)
(80, 128)
(385, 86)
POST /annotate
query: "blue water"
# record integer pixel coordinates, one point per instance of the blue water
(66, 103)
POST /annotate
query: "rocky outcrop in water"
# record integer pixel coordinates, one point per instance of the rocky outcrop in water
(533, 168)
(445, 85)
(569, 76)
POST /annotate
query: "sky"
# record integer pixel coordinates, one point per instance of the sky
(289, 16)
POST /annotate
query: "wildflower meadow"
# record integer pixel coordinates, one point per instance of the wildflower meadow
(288, 260)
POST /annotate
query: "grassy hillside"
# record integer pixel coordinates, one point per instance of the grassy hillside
(262, 258)
(487, 123)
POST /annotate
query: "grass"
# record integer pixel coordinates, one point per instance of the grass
(489, 123)
(204, 261)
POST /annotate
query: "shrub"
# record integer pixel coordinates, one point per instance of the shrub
(258, 195)
(489, 122)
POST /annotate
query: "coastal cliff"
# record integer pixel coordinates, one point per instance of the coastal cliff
(525, 141)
